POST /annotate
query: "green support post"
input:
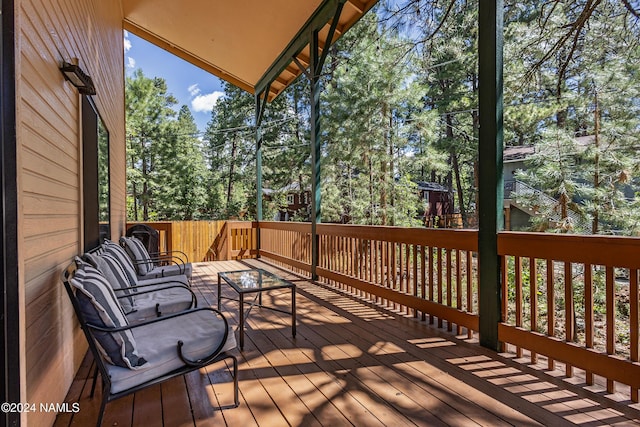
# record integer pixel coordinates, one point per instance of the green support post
(308, 32)
(491, 190)
(258, 160)
(314, 83)
(260, 107)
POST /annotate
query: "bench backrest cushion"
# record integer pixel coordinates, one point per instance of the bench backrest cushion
(119, 253)
(136, 250)
(99, 307)
(117, 278)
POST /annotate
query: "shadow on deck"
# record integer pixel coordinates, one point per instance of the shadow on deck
(351, 363)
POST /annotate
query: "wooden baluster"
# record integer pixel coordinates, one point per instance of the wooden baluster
(633, 323)
(458, 286)
(415, 282)
(423, 277)
(611, 319)
(407, 272)
(504, 261)
(588, 315)
(394, 269)
(375, 268)
(439, 280)
(469, 289)
(569, 310)
(551, 308)
(449, 284)
(431, 281)
(533, 301)
(518, 302)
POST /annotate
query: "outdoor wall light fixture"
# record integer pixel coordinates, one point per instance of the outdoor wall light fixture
(73, 73)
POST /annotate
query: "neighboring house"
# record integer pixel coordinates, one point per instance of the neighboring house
(513, 159)
(517, 216)
(438, 205)
(298, 203)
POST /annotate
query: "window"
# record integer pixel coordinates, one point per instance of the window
(290, 199)
(95, 168)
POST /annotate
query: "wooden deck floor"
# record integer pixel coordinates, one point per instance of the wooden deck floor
(351, 364)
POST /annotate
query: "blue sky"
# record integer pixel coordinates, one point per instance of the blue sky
(189, 84)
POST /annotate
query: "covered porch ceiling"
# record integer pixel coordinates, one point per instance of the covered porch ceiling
(251, 43)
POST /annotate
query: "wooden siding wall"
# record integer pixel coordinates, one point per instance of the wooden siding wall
(49, 175)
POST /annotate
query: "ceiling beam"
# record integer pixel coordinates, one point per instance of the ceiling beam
(323, 14)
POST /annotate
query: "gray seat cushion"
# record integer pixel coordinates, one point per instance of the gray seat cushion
(99, 306)
(137, 303)
(170, 270)
(200, 331)
(163, 299)
(173, 280)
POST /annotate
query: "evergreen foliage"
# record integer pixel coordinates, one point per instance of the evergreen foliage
(399, 105)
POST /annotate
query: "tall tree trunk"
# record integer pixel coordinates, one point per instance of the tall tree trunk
(456, 168)
(232, 163)
(476, 134)
(456, 171)
(145, 183)
(371, 207)
(383, 176)
(134, 191)
(596, 171)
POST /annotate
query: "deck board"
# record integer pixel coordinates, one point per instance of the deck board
(351, 363)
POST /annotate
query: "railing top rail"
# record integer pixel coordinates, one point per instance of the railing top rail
(615, 251)
(442, 238)
(300, 227)
(242, 224)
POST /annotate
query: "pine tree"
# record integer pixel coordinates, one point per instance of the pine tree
(148, 114)
(181, 171)
(368, 97)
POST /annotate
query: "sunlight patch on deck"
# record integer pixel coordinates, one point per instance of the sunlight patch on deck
(431, 342)
(385, 347)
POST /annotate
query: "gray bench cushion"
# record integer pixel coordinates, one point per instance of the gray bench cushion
(168, 300)
(138, 253)
(201, 332)
(145, 268)
(170, 270)
(174, 280)
(100, 307)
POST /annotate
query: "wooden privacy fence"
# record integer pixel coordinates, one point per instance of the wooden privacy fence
(207, 240)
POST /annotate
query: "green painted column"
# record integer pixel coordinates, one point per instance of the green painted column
(490, 209)
(260, 106)
(314, 82)
(258, 159)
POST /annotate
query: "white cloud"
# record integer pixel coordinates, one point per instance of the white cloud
(193, 89)
(204, 103)
(127, 42)
(131, 63)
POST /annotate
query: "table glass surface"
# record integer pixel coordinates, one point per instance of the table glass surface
(254, 280)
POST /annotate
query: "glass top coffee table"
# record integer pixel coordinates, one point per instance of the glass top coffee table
(255, 281)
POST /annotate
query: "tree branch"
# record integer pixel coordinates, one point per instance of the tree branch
(630, 8)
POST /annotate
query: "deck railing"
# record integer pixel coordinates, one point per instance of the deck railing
(570, 299)
(575, 300)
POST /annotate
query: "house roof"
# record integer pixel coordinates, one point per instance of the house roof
(248, 43)
(520, 152)
(432, 186)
